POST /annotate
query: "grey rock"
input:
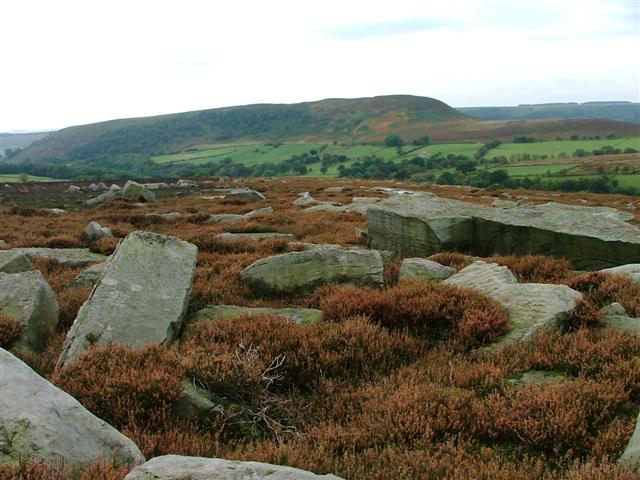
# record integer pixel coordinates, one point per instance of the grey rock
(303, 316)
(631, 456)
(14, 262)
(327, 207)
(89, 277)
(170, 217)
(156, 186)
(422, 224)
(614, 309)
(259, 212)
(335, 189)
(303, 271)
(186, 183)
(537, 377)
(226, 218)
(624, 323)
(73, 189)
(531, 306)
(305, 199)
(96, 187)
(630, 270)
(175, 467)
(244, 195)
(138, 192)
(94, 231)
(57, 211)
(195, 403)
(28, 298)
(141, 298)
(103, 197)
(39, 420)
(423, 268)
(500, 203)
(230, 237)
(115, 188)
(69, 257)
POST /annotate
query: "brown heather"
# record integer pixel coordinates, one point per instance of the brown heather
(10, 331)
(388, 388)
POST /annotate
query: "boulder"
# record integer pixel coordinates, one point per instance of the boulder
(303, 316)
(96, 187)
(531, 306)
(258, 212)
(421, 224)
(631, 270)
(303, 271)
(138, 192)
(169, 217)
(115, 188)
(39, 420)
(57, 211)
(89, 277)
(141, 297)
(73, 189)
(155, 186)
(423, 268)
(537, 377)
(174, 467)
(94, 231)
(305, 199)
(69, 257)
(226, 218)
(103, 197)
(230, 237)
(14, 262)
(195, 403)
(327, 207)
(631, 456)
(244, 195)
(186, 183)
(616, 316)
(335, 189)
(28, 298)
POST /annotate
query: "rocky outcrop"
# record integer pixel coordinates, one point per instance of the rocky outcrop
(531, 306)
(14, 262)
(174, 467)
(244, 195)
(631, 456)
(423, 268)
(421, 224)
(141, 298)
(138, 192)
(94, 231)
(303, 316)
(632, 271)
(303, 271)
(69, 257)
(39, 420)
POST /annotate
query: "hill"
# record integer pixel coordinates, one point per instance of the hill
(619, 111)
(19, 140)
(344, 120)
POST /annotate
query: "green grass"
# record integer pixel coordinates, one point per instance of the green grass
(15, 178)
(557, 147)
(534, 170)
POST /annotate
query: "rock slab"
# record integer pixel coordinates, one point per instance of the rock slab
(423, 268)
(14, 262)
(141, 297)
(69, 257)
(303, 316)
(176, 467)
(39, 420)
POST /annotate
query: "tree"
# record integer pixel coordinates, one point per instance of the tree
(24, 178)
(423, 140)
(393, 141)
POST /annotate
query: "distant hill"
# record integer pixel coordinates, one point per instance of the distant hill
(19, 140)
(344, 120)
(620, 111)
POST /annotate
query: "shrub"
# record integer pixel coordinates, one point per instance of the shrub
(452, 259)
(604, 288)
(10, 331)
(535, 268)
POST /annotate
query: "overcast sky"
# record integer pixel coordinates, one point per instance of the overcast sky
(67, 62)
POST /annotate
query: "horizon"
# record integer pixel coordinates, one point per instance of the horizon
(79, 63)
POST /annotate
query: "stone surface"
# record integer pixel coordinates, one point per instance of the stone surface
(623, 322)
(88, 277)
(156, 186)
(423, 268)
(195, 403)
(169, 217)
(94, 231)
(421, 224)
(138, 192)
(631, 270)
(14, 262)
(259, 212)
(73, 189)
(531, 306)
(244, 195)
(39, 420)
(141, 298)
(327, 207)
(103, 197)
(230, 237)
(69, 257)
(631, 456)
(303, 316)
(27, 297)
(305, 199)
(175, 467)
(302, 271)
(183, 182)
(537, 377)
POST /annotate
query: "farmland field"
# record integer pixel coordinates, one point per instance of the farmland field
(558, 147)
(15, 178)
(532, 170)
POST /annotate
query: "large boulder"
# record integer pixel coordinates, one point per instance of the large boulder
(305, 199)
(531, 306)
(423, 268)
(631, 456)
(174, 467)
(632, 271)
(421, 224)
(88, 277)
(94, 231)
(14, 262)
(28, 298)
(616, 316)
(244, 195)
(39, 420)
(303, 271)
(304, 316)
(103, 197)
(69, 257)
(141, 298)
(137, 192)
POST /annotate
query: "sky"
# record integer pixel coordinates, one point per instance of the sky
(66, 62)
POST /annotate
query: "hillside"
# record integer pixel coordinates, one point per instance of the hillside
(344, 120)
(619, 111)
(19, 140)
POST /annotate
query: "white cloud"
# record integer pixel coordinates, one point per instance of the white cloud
(71, 62)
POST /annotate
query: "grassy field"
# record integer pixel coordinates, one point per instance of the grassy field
(557, 147)
(534, 170)
(15, 178)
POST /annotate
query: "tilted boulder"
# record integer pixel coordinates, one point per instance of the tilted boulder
(244, 195)
(88, 277)
(631, 456)
(28, 298)
(69, 257)
(421, 224)
(14, 262)
(173, 467)
(141, 298)
(631, 270)
(423, 268)
(303, 271)
(531, 306)
(138, 192)
(39, 420)
(103, 197)
(94, 231)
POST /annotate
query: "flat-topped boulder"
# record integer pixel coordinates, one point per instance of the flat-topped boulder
(237, 217)
(69, 257)
(141, 297)
(28, 298)
(303, 271)
(230, 237)
(174, 467)
(421, 224)
(531, 306)
(39, 420)
(303, 316)
(423, 268)
(244, 195)
(14, 262)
